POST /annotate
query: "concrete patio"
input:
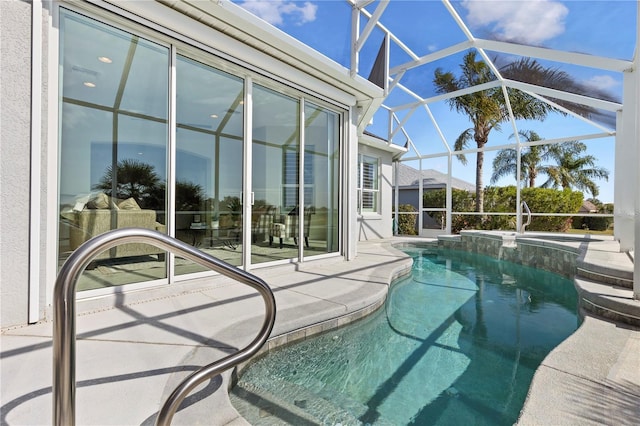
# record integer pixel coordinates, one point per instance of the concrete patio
(131, 356)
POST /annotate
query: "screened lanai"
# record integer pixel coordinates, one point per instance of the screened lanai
(534, 103)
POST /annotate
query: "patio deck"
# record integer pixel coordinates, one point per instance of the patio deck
(131, 356)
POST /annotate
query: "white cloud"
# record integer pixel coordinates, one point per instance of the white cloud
(530, 22)
(602, 82)
(274, 11)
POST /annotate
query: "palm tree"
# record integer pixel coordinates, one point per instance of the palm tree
(573, 169)
(133, 179)
(530, 71)
(504, 163)
(486, 109)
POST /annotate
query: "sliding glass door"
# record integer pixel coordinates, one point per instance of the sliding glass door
(123, 156)
(114, 130)
(320, 223)
(275, 172)
(209, 149)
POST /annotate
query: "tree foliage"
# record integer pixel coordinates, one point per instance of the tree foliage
(134, 179)
(139, 180)
(487, 109)
(531, 160)
(407, 221)
(573, 169)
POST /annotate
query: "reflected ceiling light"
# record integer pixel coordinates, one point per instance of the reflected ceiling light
(89, 84)
(241, 102)
(214, 116)
(105, 59)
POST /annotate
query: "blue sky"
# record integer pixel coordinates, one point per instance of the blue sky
(603, 28)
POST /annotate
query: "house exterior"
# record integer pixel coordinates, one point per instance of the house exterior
(191, 118)
(408, 184)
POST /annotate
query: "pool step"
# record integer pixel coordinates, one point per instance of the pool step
(608, 301)
(604, 280)
(606, 267)
(280, 402)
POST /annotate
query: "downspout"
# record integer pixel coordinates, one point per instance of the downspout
(636, 137)
(35, 162)
(396, 195)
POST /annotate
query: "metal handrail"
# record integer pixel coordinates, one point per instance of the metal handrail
(524, 205)
(64, 318)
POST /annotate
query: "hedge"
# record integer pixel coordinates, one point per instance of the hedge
(407, 222)
(503, 200)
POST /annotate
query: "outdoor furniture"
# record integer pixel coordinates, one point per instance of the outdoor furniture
(278, 230)
(287, 227)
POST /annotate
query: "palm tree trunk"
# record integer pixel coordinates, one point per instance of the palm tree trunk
(479, 183)
(532, 178)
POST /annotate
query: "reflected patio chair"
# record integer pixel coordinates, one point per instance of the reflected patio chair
(293, 225)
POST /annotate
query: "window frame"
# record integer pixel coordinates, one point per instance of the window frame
(374, 190)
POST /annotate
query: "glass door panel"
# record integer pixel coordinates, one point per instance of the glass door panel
(113, 146)
(209, 148)
(275, 171)
(321, 180)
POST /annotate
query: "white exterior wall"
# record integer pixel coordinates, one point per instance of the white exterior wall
(15, 131)
(372, 226)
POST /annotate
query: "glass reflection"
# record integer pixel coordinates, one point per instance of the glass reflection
(209, 146)
(113, 139)
(321, 178)
(275, 156)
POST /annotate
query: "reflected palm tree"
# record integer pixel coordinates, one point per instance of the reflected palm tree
(131, 179)
(139, 180)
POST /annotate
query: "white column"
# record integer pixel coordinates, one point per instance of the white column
(449, 193)
(350, 195)
(635, 78)
(396, 195)
(36, 162)
(626, 164)
(420, 199)
(247, 165)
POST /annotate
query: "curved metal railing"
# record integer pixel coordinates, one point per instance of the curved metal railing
(64, 318)
(523, 207)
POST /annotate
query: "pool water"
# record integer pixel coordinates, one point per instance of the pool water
(456, 343)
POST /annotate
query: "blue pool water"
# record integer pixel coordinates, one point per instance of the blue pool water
(456, 343)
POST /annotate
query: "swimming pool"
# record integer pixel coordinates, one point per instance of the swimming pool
(457, 342)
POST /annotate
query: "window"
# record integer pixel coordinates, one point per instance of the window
(368, 187)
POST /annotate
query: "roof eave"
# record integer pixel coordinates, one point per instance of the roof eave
(236, 22)
(378, 143)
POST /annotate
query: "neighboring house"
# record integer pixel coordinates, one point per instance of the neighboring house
(588, 207)
(204, 105)
(409, 188)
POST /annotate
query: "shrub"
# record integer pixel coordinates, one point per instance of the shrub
(503, 200)
(551, 201)
(407, 222)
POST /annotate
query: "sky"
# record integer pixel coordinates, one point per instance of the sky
(602, 28)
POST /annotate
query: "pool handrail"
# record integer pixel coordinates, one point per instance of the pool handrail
(524, 206)
(64, 318)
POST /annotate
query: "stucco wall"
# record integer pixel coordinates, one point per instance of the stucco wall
(373, 226)
(15, 88)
